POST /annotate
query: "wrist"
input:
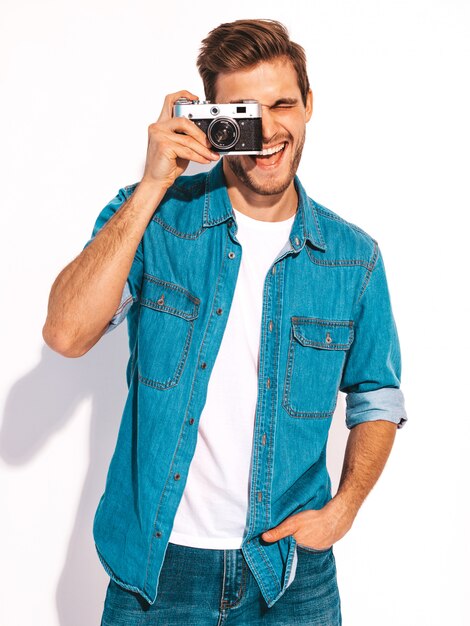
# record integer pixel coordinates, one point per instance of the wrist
(149, 194)
(341, 508)
(154, 187)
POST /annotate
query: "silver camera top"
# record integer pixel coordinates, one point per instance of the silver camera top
(205, 109)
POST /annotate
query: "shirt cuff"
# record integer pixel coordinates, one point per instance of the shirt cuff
(122, 310)
(386, 403)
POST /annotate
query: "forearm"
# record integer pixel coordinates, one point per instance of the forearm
(367, 450)
(87, 292)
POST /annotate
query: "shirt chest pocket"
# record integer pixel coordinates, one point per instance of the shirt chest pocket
(316, 356)
(166, 321)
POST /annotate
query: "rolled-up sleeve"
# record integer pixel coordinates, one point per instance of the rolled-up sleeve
(372, 371)
(132, 286)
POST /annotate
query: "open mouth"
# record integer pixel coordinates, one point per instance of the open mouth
(270, 156)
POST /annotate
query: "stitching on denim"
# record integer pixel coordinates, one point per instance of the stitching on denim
(207, 201)
(164, 490)
(171, 382)
(150, 304)
(317, 223)
(189, 317)
(287, 387)
(259, 405)
(302, 319)
(268, 563)
(178, 233)
(336, 262)
(258, 410)
(183, 192)
(329, 347)
(302, 226)
(370, 269)
(327, 214)
(288, 565)
(308, 415)
(173, 286)
(260, 582)
(221, 604)
(274, 396)
(224, 604)
(334, 345)
(183, 185)
(162, 496)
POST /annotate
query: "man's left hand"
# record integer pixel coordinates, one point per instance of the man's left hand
(318, 529)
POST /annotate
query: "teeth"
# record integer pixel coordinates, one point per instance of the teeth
(272, 150)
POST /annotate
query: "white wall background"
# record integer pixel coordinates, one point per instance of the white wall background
(387, 148)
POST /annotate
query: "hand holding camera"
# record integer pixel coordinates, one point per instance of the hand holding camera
(172, 143)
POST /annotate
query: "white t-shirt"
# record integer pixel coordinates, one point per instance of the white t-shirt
(213, 510)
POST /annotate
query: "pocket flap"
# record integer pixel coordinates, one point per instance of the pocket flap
(161, 295)
(320, 333)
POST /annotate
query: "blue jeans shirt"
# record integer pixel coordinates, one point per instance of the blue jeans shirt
(327, 326)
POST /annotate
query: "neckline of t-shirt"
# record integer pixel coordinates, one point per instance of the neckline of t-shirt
(242, 217)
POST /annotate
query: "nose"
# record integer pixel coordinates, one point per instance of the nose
(268, 125)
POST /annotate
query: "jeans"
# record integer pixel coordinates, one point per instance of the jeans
(206, 587)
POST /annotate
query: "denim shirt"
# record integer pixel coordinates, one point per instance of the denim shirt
(327, 326)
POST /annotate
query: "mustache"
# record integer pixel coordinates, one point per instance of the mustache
(273, 141)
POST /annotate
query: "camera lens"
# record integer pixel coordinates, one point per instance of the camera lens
(223, 133)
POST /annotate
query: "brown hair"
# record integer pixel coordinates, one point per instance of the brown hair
(239, 45)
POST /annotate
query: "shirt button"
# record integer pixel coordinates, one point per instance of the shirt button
(260, 496)
(177, 476)
(297, 241)
(268, 383)
(270, 324)
(219, 311)
(263, 439)
(231, 255)
(230, 223)
(203, 366)
(158, 533)
(191, 421)
(328, 338)
(274, 269)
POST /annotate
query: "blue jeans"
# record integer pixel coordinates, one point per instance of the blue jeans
(205, 587)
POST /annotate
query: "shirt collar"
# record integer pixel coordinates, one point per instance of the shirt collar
(218, 208)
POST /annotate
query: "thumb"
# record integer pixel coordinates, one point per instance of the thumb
(278, 532)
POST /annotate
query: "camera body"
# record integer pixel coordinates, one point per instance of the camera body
(232, 128)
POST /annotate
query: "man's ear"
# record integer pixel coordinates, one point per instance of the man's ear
(309, 106)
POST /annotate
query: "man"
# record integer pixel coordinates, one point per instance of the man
(249, 306)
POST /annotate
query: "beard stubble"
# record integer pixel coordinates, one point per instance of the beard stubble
(269, 187)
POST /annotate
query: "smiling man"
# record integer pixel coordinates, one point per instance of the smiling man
(249, 307)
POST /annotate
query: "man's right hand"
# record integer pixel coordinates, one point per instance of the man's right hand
(172, 143)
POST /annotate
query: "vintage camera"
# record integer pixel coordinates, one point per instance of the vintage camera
(232, 128)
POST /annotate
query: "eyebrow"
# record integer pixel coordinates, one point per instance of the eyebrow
(277, 103)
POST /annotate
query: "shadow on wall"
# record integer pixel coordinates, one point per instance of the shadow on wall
(55, 388)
